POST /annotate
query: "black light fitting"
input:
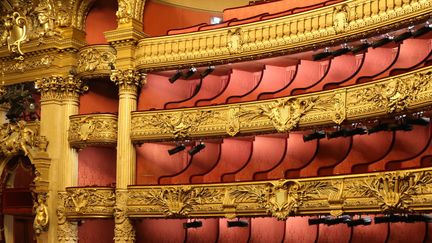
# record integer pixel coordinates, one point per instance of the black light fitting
(189, 73)
(207, 71)
(192, 224)
(196, 149)
(176, 76)
(177, 149)
(238, 223)
(314, 135)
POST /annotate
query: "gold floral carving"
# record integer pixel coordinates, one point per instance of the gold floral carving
(41, 220)
(393, 191)
(67, 231)
(15, 32)
(124, 230)
(129, 79)
(89, 201)
(57, 87)
(409, 91)
(177, 201)
(339, 23)
(95, 129)
(284, 113)
(233, 124)
(95, 60)
(179, 125)
(29, 63)
(18, 137)
(388, 192)
(395, 95)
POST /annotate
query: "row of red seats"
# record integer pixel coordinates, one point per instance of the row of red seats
(261, 16)
(266, 81)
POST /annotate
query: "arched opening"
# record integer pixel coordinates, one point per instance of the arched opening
(16, 221)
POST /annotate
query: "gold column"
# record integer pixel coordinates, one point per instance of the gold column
(128, 82)
(59, 100)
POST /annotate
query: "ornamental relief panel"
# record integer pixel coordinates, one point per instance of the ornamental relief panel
(25, 21)
(89, 201)
(96, 60)
(390, 95)
(405, 191)
(95, 129)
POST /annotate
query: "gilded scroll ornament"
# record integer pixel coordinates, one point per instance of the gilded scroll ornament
(40, 223)
(177, 201)
(95, 129)
(285, 114)
(95, 58)
(233, 121)
(15, 32)
(179, 124)
(83, 201)
(394, 191)
(395, 95)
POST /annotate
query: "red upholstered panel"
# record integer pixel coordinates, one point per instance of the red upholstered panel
(233, 234)
(209, 232)
(297, 229)
(96, 230)
(102, 97)
(267, 230)
(96, 166)
(160, 230)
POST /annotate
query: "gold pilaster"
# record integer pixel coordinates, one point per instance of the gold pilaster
(59, 100)
(128, 81)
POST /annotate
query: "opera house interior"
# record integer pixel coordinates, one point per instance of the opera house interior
(216, 121)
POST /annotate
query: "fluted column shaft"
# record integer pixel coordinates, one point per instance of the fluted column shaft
(128, 82)
(59, 100)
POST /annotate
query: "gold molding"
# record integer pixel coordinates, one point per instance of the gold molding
(404, 191)
(95, 202)
(93, 130)
(388, 192)
(352, 19)
(95, 61)
(407, 91)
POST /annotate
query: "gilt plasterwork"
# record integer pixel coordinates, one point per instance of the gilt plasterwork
(389, 95)
(97, 202)
(96, 61)
(94, 130)
(60, 87)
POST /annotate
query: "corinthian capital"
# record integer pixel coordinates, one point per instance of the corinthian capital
(128, 80)
(59, 88)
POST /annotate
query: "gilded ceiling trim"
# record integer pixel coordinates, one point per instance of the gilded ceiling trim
(405, 191)
(395, 94)
(350, 20)
(93, 130)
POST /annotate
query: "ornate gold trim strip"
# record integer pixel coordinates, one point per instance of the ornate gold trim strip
(95, 61)
(92, 202)
(412, 90)
(352, 19)
(93, 130)
(388, 192)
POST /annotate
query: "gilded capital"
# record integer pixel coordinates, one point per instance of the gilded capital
(128, 80)
(59, 88)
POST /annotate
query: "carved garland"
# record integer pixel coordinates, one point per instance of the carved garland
(394, 94)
